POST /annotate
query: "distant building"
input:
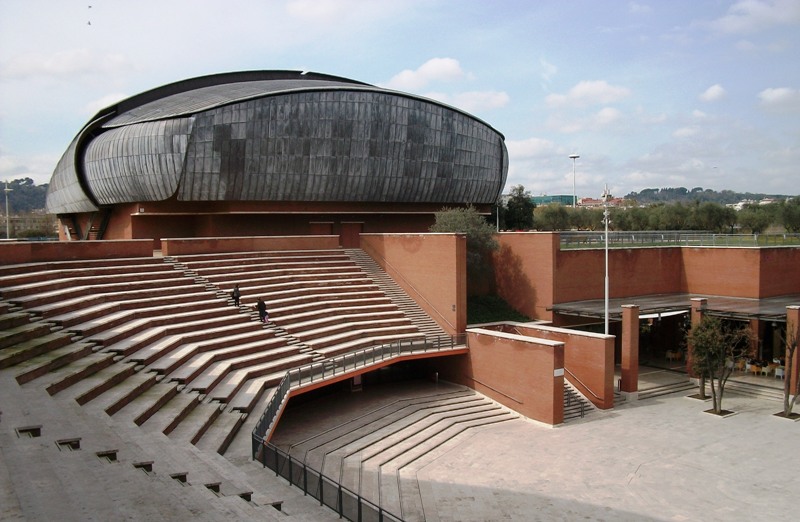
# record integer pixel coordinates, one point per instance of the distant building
(560, 199)
(598, 202)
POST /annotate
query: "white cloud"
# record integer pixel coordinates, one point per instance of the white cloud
(37, 167)
(472, 101)
(685, 132)
(548, 70)
(607, 116)
(62, 63)
(601, 119)
(434, 70)
(530, 148)
(780, 99)
(699, 114)
(637, 8)
(94, 106)
(751, 16)
(588, 93)
(713, 93)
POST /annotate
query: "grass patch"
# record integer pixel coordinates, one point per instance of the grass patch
(491, 308)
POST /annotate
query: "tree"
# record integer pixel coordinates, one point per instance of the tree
(716, 345)
(519, 214)
(790, 215)
(552, 217)
(790, 394)
(755, 218)
(480, 235)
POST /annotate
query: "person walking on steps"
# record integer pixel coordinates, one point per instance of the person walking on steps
(236, 294)
(261, 306)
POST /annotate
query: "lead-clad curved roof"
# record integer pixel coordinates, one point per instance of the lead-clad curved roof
(279, 136)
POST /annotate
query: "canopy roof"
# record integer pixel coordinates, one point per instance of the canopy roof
(767, 309)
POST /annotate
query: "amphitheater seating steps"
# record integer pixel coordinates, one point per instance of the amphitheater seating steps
(167, 417)
(423, 321)
(130, 345)
(377, 452)
(106, 470)
(31, 342)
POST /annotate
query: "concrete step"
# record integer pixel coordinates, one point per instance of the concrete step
(35, 367)
(35, 341)
(221, 433)
(147, 403)
(192, 427)
(170, 414)
(122, 321)
(326, 453)
(120, 395)
(67, 376)
(154, 344)
(264, 350)
(233, 379)
(328, 337)
(402, 497)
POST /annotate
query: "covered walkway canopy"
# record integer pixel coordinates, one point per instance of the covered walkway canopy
(767, 309)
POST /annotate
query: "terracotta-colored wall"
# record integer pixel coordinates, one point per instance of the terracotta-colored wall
(431, 268)
(588, 358)
(532, 273)
(580, 274)
(38, 251)
(205, 245)
(721, 271)
(780, 271)
(518, 372)
(525, 271)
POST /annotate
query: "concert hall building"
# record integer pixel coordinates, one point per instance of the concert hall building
(273, 153)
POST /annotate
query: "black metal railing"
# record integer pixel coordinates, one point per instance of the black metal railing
(347, 503)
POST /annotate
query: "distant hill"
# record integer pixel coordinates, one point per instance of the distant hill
(683, 195)
(25, 197)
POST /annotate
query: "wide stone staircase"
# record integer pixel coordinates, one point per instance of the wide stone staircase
(156, 346)
(377, 453)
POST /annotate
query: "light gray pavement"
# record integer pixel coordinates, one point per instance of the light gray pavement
(656, 459)
(659, 459)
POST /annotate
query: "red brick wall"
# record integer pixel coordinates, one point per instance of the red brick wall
(206, 245)
(532, 273)
(588, 358)
(721, 271)
(39, 251)
(431, 268)
(780, 271)
(517, 372)
(525, 271)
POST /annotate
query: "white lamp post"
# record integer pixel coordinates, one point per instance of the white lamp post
(7, 190)
(574, 199)
(605, 220)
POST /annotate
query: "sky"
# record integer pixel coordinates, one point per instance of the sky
(649, 93)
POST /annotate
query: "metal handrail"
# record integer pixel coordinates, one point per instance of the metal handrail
(644, 238)
(583, 384)
(319, 371)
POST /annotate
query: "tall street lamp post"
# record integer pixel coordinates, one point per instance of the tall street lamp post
(605, 220)
(574, 198)
(7, 190)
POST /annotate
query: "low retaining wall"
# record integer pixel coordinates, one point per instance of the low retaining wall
(588, 357)
(208, 245)
(12, 253)
(522, 373)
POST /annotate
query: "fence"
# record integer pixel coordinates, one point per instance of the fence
(573, 240)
